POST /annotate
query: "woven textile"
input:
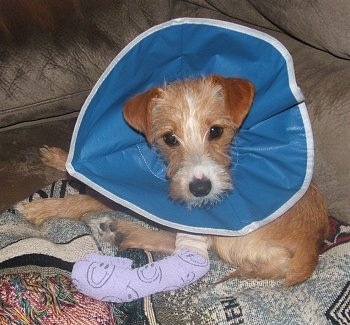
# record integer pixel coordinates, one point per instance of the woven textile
(35, 265)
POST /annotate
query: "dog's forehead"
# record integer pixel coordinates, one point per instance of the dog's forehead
(190, 93)
(198, 99)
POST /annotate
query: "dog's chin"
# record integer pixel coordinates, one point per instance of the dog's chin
(213, 198)
(196, 202)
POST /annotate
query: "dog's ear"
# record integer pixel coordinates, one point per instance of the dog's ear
(238, 94)
(138, 111)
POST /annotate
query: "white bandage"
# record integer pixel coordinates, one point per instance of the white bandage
(196, 243)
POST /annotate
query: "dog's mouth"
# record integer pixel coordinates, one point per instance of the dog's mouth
(199, 186)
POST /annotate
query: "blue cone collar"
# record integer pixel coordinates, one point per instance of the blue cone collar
(272, 152)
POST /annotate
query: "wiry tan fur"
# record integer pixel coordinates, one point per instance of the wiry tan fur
(186, 112)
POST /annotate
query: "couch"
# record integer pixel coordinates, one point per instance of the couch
(47, 71)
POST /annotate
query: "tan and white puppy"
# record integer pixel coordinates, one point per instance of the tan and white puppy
(192, 123)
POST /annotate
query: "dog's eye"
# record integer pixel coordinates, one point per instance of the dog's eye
(215, 132)
(170, 139)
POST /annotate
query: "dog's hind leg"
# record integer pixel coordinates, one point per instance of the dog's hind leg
(54, 157)
(73, 207)
(312, 230)
(302, 265)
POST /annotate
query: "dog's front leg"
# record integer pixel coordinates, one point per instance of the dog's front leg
(125, 234)
(125, 283)
(72, 207)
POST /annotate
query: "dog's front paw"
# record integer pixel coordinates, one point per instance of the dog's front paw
(125, 234)
(36, 211)
(117, 232)
(122, 234)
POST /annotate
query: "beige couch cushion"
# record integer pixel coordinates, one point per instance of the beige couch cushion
(320, 23)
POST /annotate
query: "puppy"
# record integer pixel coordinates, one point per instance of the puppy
(192, 124)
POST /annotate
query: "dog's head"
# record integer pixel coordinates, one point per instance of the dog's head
(192, 124)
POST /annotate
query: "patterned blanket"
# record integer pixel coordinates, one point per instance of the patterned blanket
(35, 265)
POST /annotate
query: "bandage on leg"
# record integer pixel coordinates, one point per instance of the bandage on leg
(113, 279)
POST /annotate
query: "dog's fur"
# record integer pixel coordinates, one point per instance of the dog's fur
(192, 124)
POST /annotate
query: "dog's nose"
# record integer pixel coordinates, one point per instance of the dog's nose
(200, 187)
